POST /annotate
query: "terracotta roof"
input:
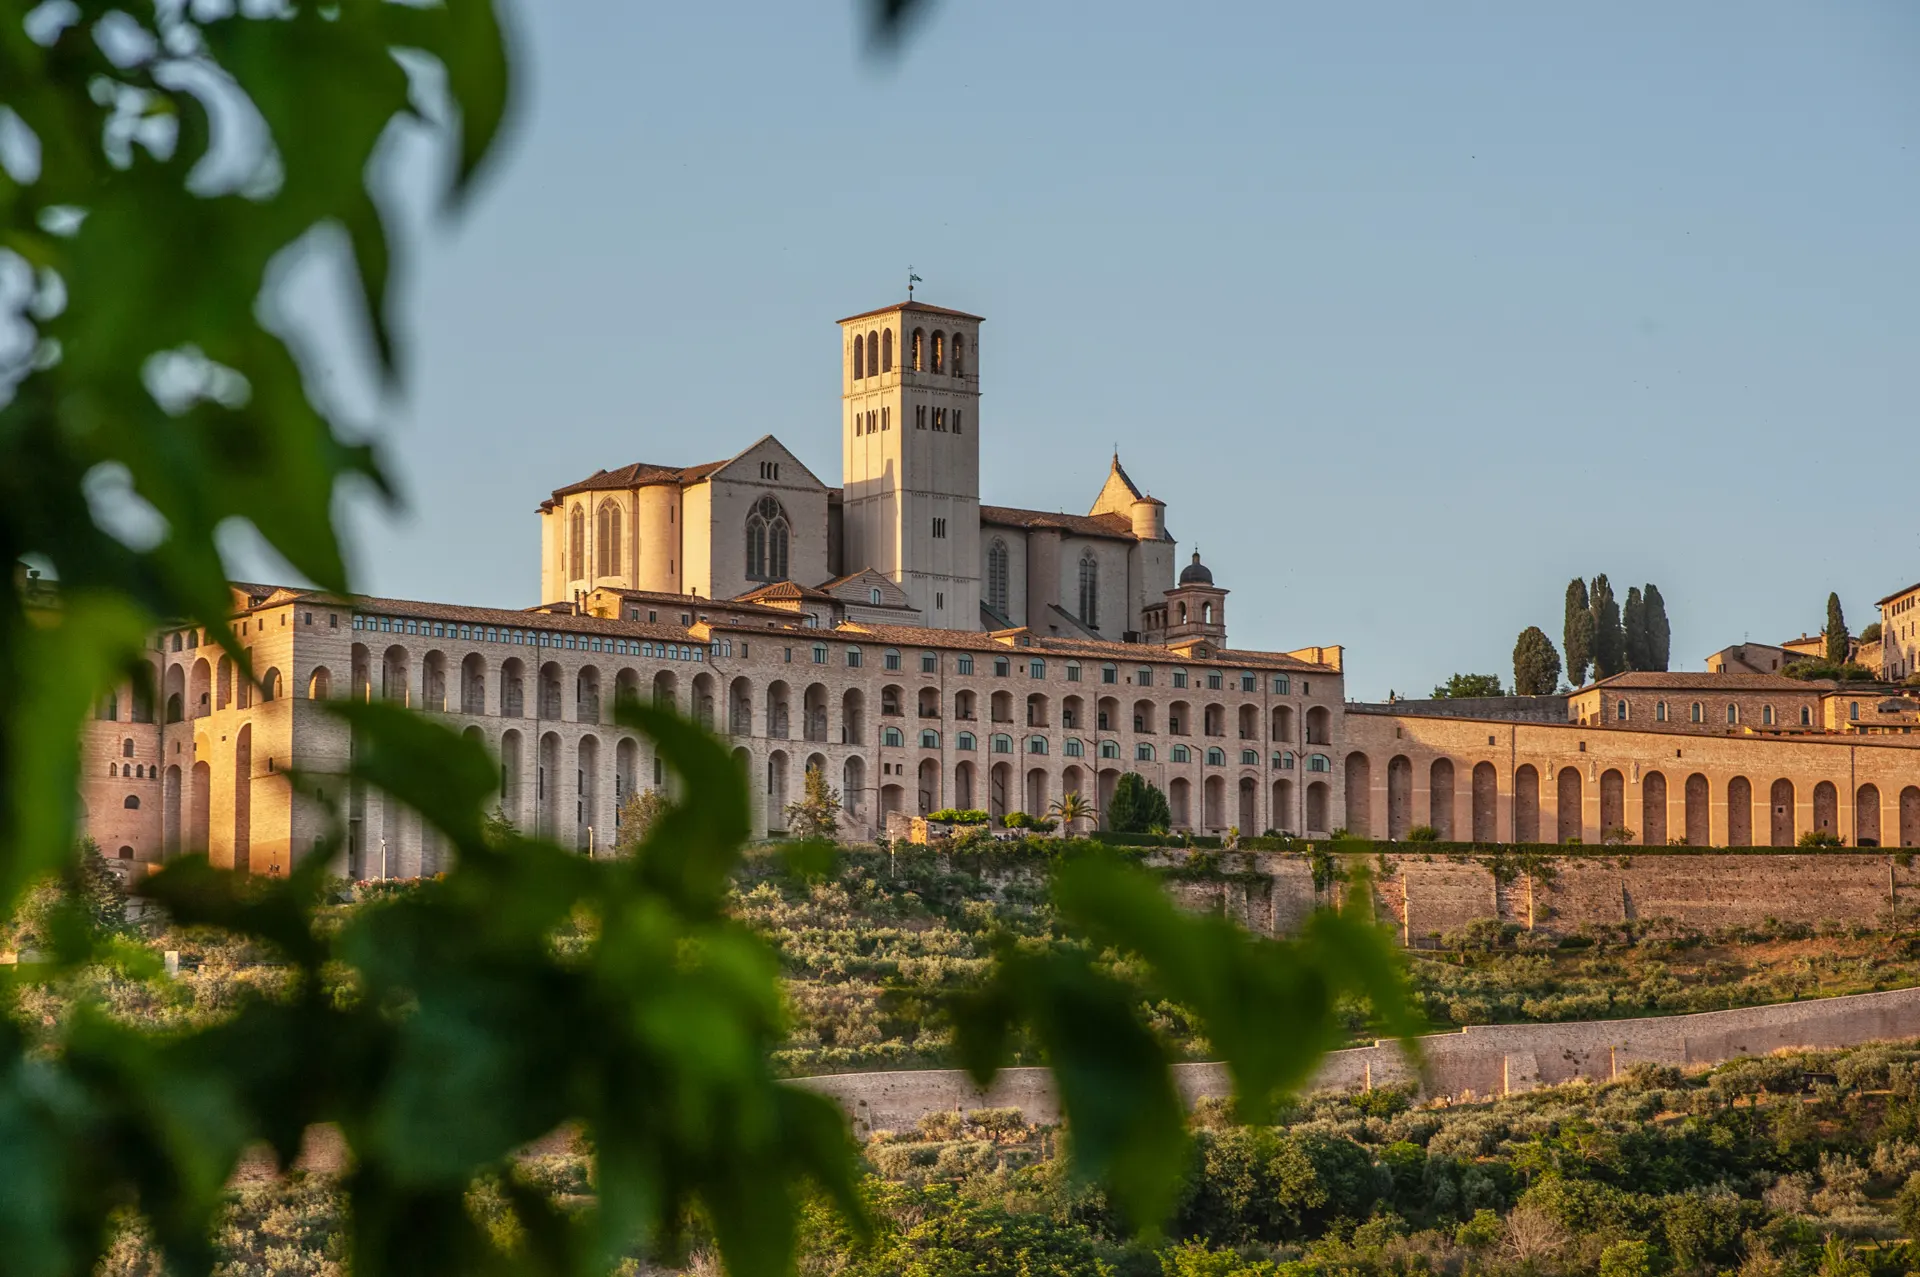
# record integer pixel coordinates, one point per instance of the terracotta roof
(638, 475)
(1705, 682)
(1112, 526)
(921, 307)
(1896, 594)
(791, 590)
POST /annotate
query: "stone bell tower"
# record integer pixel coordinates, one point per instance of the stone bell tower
(910, 448)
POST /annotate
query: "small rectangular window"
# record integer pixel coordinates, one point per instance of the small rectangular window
(929, 663)
(963, 664)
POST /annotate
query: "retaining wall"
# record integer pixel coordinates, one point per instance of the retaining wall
(1478, 1061)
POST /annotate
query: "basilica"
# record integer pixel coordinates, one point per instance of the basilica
(922, 650)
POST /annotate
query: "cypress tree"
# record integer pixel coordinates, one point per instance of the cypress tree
(1536, 666)
(1609, 644)
(1659, 632)
(1633, 624)
(1577, 636)
(1836, 632)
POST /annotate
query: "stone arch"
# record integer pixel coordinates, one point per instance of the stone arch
(223, 682)
(512, 770)
(999, 781)
(1180, 802)
(778, 709)
(550, 705)
(1910, 816)
(1699, 804)
(1781, 825)
(1739, 812)
(1249, 722)
(1613, 802)
(813, 712)
(175, 708)
(200, 807)
(360, 674)
(473, 684)
(1866, 816)
(242, 798)
(1570, 816)
(1653, 809)
(170, 809)
(777, 792)
(626, 687)
(320, 683)
(1826, 808)
(513, 688)
(1526, 803)
(433, 682)
(702, 700)
(853, 785)
(1249, 819)
(586, 789)
(1319, 726)
(1281, 813)
(396, 670)
(853, 717)
(1214, 794)
(1486, 799)
(1035, 796)
(666, 689)
(547, 788)
(740, 707)
(964, 795)
(200, 689)
(1399, 797)
(1440, 798)
(626, 775)
(1318, 800)
(1145, 717)
(1282, 722)
(586, 694)
(1359, 795)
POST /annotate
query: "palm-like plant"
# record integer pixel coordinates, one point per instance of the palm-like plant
(1070, 807)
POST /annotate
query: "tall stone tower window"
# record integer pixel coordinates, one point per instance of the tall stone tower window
(997, 576)
(607, 539)
(917, 356)
(886, 350)
(1089, 591)
(939, 352)
(959, 355)
(767, 534)
(577, 543)
(859, 358)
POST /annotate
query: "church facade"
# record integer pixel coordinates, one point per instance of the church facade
(919, 647)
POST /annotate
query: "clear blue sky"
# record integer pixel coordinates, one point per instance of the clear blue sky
(1409, 312)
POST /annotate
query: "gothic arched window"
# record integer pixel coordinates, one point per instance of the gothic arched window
(607, 539)
(577, 543)
(1089, 591)
(997, 576)
(767, 534)
(873, 354)
(886, 350)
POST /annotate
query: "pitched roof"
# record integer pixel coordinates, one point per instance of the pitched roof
(640, 474)
(921, 307)
(1114, 527)
(1651, 680)
(1896, 594)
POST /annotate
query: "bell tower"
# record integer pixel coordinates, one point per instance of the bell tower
(910, 449)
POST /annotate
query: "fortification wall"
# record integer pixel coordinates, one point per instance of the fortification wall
(1478, 1061)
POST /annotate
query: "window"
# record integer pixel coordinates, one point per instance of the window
(1143, 752)
(1766, 716)
(1806, 716)
(940, 420)
(1036, 669)
(1001, 666)
(853, 658)
(1216, 757)
(1620, 710)
(1089, 591)
(1179, 678)
(819, 653)
(939, 600)
(1733, 713)
(917, 351)
(939, 529)
(873, 596)
(956, 421)
(929, 739)
(963, 664)
(1073, 671)
(1215, 680)
(1003, 744)
(1698, 716)
(1249, 758)
(767, 533)
(1109, 749)
(771, 469)
(920, 417)
(1249, 683)
(1074, 748)
(939, 352)
(132, 803)
(964, 741)
(959, 355)
(1319, 763)
(577, 542)
(1109, 673)
(891, 736)
(1284, 761)
(126, 748)
(892, 659)
(929, 663)
(1143, 676)
(1036, 744)
(1660, 712)
(886, 350)
(1853, 711)
(859, 357)
(997, 576)
(1280, 684)
(1180, 754)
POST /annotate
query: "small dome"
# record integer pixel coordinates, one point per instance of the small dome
(1196, 573)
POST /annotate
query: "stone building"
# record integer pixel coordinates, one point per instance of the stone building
(925, 650)
(1900, 635)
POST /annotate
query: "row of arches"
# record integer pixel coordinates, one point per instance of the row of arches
(207, 687)
(939, 352)
(1694, 811)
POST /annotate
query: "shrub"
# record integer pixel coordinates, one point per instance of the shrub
(1423, 833)
(1820, 838)
(959, 816)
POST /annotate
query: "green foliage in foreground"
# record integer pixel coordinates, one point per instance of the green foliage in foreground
(142, 232)
(1459, 686)
(1795, 1165)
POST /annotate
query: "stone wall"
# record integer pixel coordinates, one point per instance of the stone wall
(1478, 1061)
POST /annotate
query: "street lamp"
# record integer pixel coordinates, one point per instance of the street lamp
(383, 860)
